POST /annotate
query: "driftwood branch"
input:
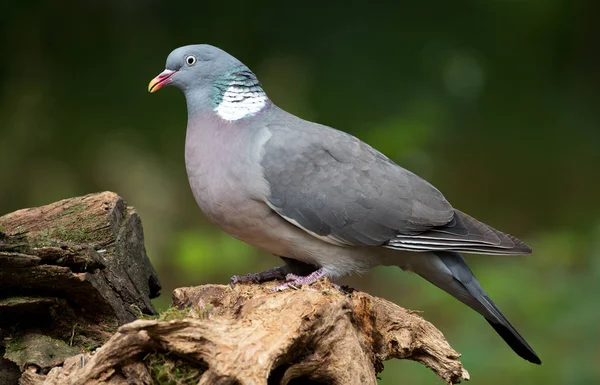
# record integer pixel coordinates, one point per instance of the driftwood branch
(248, 335)
(70, 274)
(75, 268)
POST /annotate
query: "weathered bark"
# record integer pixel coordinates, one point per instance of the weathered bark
(249, 335)
(70, 274)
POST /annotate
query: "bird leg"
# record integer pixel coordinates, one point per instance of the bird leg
(298, 280)
(276, 273)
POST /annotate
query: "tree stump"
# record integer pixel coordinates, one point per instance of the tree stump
(249, 335)
(70, 274)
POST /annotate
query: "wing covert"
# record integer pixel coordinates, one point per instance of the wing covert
(333, 185)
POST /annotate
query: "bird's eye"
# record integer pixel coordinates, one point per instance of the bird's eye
(190, 60)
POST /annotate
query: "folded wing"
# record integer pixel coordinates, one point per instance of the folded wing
(343, 191)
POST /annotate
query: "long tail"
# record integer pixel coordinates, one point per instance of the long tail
(449, 271)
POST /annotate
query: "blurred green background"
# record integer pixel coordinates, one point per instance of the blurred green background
(494, 102)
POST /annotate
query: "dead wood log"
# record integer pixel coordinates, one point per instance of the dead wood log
(249, 335)
(70, 273)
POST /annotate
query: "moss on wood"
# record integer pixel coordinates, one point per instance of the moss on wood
(38, 349)
(166, 369)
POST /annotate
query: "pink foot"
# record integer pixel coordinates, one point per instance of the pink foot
(297, 280)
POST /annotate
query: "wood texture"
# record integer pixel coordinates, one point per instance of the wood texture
(249, 335)
(70, 273)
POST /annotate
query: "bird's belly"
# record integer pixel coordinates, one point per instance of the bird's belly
(224, 206)
(235, 209)
(242, 217)
(254, 223)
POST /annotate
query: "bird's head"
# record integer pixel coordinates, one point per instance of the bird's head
(212, 79)
(194, 66)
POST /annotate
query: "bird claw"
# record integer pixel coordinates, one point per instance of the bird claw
(282, 287)
(293, 280)
(292, 277)
(268, 275)
(252, 277)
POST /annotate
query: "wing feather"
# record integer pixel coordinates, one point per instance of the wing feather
(340, 189)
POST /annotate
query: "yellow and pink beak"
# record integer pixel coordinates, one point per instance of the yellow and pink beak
(161, 80)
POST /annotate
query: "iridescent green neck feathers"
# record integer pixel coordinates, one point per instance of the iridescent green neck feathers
(238, 95)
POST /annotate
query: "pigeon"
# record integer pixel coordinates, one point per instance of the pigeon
(326, 202)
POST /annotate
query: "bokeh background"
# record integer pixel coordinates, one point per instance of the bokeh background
(494, 102)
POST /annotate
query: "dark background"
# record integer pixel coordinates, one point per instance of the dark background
(494, 102)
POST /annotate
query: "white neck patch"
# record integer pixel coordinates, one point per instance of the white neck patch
(240, 102)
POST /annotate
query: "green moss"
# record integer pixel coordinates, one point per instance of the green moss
(83, 342)
(11, 301)
(72, 226)
(42, 238)
(77, 234)
(14, 346)
(76, 208)
(170, 314)
(48, 237)
(174, 313)
(39, 349)
(167, 370)
(141, 315)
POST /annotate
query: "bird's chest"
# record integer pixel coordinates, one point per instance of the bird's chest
(225, 178)
(215, 192)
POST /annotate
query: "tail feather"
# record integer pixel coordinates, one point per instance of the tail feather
(450, 272)
(503, 327)
(516, 342)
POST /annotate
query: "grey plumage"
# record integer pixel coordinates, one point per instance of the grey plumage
(334, 185)
(450, 272)
(317, 195)
(337, 186)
